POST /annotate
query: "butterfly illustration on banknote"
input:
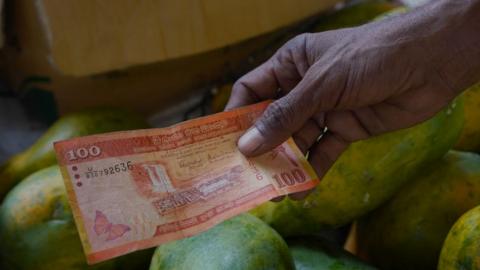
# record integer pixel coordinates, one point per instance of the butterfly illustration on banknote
(104, 226)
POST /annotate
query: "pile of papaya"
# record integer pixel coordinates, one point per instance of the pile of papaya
(409, 199)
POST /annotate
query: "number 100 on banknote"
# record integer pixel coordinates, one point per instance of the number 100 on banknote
(137, 189)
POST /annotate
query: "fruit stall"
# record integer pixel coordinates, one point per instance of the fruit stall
(408, 199)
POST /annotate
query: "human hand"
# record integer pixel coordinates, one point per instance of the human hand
(356, 83)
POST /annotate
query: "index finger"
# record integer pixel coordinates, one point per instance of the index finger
(255, 86)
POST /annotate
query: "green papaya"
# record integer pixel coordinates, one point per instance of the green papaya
(408, 231)
(353, 15)
(315, 254)
(41, 153)
(243, 242)
(461, 249)
(37, 230)
(391, 13)
(367, 174)
(470, 137)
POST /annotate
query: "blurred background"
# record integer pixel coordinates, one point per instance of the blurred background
(71, 68)
(166, 60)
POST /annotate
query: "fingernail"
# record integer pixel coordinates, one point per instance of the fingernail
(250, 141)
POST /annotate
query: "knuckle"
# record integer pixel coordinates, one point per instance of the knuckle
(242, 89)
(298, 42)
(237, 87)
(302, 38)
(282, 56)
(302, 142)
(291, 53)
(277, 118)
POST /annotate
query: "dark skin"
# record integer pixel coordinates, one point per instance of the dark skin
(361, 82)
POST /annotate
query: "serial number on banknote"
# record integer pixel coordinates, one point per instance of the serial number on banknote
(110, 170)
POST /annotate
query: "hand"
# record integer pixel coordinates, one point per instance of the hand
(357, 83)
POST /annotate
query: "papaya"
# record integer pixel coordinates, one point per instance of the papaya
(366, 175)
(37, 230)
(409, 230)
(461, 249)
(317, 254)
(41, 153)
(220, 97)
(243, 242)
(353, 15)
(391, 13)
(470, 136)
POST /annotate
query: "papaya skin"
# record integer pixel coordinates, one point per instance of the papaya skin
(317, 254)
(220, 99)
(366, 175)
(243, 242)
(462, 246)
(408, 231)
(354, 15)
(37, 212)
(470, 137)
(41, 154)
(37, 229)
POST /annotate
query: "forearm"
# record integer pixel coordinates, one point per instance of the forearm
(447, 33)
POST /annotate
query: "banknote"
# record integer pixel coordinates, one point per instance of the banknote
(133, 190)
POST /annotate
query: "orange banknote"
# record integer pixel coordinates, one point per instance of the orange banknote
(137, 189)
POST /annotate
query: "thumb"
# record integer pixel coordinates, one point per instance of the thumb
(280, 120)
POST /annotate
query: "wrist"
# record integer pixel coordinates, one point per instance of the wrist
(453, 41)
(446, 35)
